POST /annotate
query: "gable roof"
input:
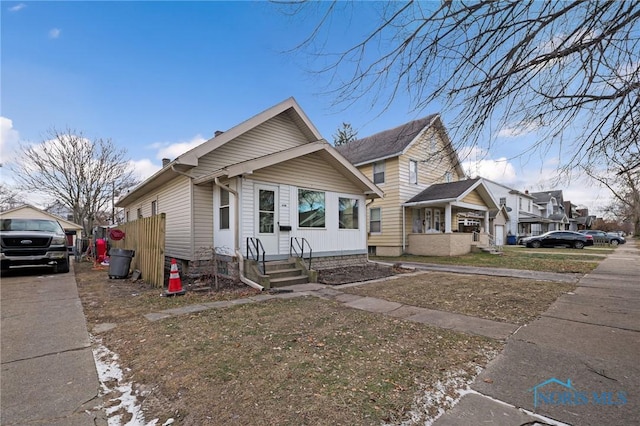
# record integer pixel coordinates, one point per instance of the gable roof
(38, 213)
(386, 144)
(444, 191)
(395, 142)
(453, 192)
(545, 196)
(289, 107)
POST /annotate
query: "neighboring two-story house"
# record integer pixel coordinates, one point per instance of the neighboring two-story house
(518, 207)
(425, 190)
(551, 208)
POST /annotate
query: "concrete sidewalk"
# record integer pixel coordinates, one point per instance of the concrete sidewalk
(48, 372)
(580, 359)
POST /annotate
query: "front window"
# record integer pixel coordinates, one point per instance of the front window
(413, 171)
(311, 209)
(375, 220)
(448, 177)
(520, 203)
(436, 220)
(378, 172)
(503, 201)
(154, 208)
(348, 213)
(224, 209)
(427, 219)
(139, 213)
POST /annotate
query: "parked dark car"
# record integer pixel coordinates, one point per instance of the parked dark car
(604, 237)
(33, 243)
(558, 238)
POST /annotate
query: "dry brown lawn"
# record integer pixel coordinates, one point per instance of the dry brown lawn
(511, 300)
(297, 361)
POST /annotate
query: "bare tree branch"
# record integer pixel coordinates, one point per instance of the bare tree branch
(569, 70)
(80, 173)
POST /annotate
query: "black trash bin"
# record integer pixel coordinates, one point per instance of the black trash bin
(119, 262)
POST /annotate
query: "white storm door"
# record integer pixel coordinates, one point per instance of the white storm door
(499, 235)
(267, 217)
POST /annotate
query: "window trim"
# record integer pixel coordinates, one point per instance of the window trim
(324, 209)
(354, 207)
(413, 175)
(379, 164)
(379, 220)
(224, 208)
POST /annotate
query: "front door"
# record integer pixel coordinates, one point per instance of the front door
(267, 217)
(499, 235)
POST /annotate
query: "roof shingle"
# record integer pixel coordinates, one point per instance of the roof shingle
(388, 143)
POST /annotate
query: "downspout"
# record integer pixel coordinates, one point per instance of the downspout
(236, 236)
(404, 231)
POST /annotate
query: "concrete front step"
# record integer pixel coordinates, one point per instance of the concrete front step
(277, 265)
(286, 281)
(282, 273)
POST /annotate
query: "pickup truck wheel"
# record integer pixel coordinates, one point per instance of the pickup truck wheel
(62, 267)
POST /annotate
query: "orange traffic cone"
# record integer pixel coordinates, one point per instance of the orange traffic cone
(175, 285)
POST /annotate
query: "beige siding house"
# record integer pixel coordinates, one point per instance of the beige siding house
(426, 193)
(269, 181)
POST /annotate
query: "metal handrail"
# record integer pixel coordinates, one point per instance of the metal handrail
(254, 244)
(300, 245)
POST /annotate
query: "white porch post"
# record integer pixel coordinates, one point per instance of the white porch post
(447, 219)
(486, 222)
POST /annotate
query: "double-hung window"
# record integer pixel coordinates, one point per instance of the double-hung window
(413, 172)
(378, 172)
(224, 209)
(375, 220)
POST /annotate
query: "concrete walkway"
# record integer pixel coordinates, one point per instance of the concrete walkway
(580, 359)
(48, 372)
(448, 320)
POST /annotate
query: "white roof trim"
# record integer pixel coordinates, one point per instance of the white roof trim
(191, 157)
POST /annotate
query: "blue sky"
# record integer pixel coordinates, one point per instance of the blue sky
(159, 77)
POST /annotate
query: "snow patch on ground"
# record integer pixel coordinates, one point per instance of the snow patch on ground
(433, 401)
(120, 395)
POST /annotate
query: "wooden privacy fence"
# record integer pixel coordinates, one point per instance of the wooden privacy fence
(146, 237)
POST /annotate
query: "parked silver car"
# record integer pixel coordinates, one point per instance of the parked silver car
(604, 237)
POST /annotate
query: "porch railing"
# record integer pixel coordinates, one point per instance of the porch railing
(254, 251)
(492, 243)
(297, 247)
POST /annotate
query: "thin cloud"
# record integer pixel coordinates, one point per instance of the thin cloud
(518, 129)
(54, 33)
(9, 138)
(172, 150)
(144, 168)
(18, 7)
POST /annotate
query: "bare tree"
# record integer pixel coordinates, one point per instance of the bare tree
(9, 198)
(80, 173)
(624, 183)
(568, 70)
(344, 134)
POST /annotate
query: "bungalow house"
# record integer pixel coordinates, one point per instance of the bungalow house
(262, 189)
(427, 199)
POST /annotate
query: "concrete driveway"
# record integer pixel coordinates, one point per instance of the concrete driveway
(48, 371)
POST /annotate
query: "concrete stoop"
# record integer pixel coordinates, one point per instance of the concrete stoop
(284, 273)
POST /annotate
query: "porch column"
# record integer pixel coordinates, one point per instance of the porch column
(447, 219)
(486, 222)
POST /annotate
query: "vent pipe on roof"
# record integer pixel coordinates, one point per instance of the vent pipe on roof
(165, 162)
(217, 133)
